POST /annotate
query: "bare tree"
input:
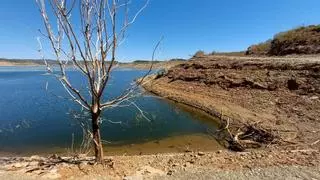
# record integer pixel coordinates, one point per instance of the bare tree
(91, 49)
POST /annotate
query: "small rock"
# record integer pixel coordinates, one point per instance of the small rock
(191, 162)
(187, 151)
(201, 153)
(19, 165)
(54, 156)
(170, 172)
(91, 163)
(148, 170)
(64, 164)
(187, 164)
(35, 158)
(219, 152)
(33, 163)
(314, 97)
(175, 165)
(83, 164)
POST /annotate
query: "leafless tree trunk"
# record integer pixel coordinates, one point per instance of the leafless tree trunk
(91, 49)
(98, 148)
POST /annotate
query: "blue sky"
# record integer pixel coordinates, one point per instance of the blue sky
(187, 26)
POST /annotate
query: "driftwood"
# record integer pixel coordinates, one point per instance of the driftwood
(247, 136)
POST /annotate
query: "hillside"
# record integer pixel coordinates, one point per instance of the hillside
(24, 62)
(302, 40)
(262, 101)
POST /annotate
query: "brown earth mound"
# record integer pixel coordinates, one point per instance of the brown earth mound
(261, 101)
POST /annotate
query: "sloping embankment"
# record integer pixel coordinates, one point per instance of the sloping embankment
(261, 101)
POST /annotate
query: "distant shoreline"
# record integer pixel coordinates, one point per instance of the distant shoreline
(10, 64)
(135, 65)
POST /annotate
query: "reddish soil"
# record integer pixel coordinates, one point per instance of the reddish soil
(266, 101)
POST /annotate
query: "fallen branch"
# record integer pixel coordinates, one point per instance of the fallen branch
(316, 142)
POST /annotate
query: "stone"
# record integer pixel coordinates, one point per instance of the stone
(201, 153)
(54, 156)
(33, 163)
(19, 164)
(175, 165)
(187, 151)
(35, 158)
(148, 170)
(82, 165)
(187, 164)
(170, 172)
(64, 164)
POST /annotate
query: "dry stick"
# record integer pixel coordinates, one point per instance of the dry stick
(316, 142)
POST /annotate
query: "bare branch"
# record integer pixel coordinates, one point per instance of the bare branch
(92, 48)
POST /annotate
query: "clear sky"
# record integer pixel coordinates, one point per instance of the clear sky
(187, 26)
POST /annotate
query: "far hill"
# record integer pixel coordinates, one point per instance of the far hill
(302, 40)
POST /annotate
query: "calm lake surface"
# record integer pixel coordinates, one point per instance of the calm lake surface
(34, 119)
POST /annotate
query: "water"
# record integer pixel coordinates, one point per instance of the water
(36, 116)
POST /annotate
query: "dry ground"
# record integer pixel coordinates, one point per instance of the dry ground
(263, 164)
(279, 96)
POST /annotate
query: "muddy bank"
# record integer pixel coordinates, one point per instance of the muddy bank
(262, 101)
(173, 144)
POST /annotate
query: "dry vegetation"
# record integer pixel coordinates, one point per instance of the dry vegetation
(302, 40)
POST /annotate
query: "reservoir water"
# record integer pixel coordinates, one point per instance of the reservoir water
(37, 117)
